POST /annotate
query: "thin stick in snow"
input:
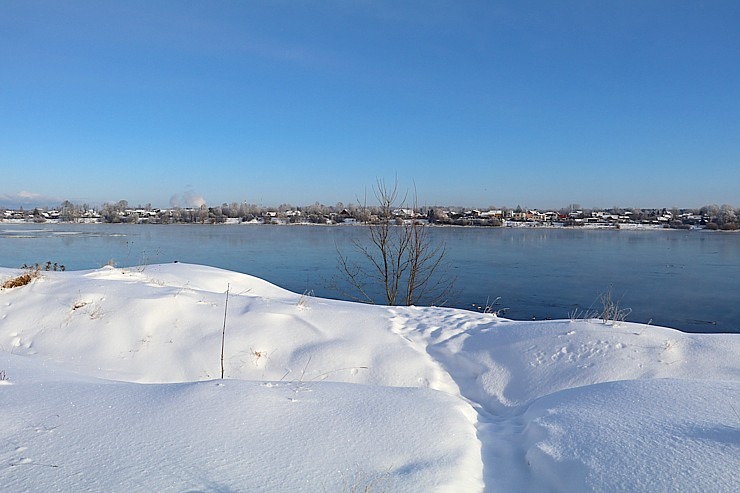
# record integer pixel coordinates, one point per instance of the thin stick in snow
(223, 332)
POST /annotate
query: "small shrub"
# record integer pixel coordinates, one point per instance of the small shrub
(491, 307)
(612, 312)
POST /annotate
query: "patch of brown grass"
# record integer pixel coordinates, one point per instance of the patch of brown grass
(22, 279)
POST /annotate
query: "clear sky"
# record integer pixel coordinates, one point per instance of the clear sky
(477, 103)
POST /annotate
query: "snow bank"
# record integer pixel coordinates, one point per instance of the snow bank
(325, 395)
(641, 435)
(163, 324)
(232, 435)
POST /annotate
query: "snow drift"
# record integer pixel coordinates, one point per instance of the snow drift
(324, 395)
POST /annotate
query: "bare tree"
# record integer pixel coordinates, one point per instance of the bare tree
(69, 212)
(397, 257)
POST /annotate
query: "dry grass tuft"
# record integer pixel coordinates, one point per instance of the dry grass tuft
(22, 279)
(304, 301)
(612, 311)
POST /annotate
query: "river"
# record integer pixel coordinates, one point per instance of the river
(688, 280)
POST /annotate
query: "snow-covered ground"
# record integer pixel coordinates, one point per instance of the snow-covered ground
(110, 381)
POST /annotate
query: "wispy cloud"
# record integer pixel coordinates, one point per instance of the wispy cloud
(23, 194)
(26, 198)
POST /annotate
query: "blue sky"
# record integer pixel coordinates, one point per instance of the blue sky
(476, 103)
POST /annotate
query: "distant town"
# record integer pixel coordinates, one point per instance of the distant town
(713, 217)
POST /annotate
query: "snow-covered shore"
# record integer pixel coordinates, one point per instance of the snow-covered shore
(324, 395)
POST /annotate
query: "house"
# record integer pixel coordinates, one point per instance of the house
(403, 212)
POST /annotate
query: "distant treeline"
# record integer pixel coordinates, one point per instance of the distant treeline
(724, 217)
